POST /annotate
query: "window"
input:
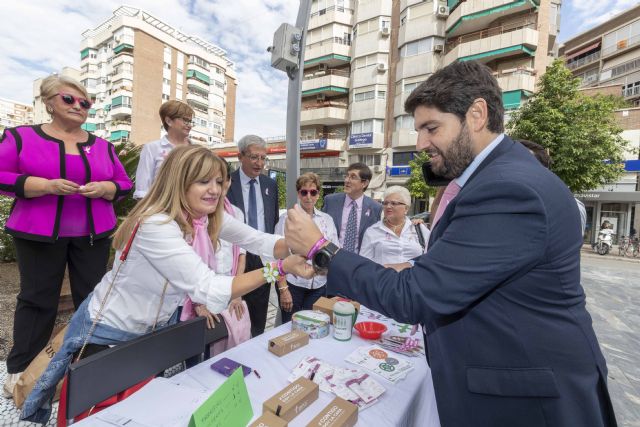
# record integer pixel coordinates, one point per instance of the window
(193, 59)
(403, 158)
(167, 66)
(405, 122)
(165, 97)
(409, 87)
(366, 126)
(417, 47)
(363, 96)
(367, 159)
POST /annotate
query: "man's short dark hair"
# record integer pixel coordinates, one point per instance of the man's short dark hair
(453, 89)
(363, 171)
(538, 150)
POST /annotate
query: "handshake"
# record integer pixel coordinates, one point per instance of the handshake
(301, 234)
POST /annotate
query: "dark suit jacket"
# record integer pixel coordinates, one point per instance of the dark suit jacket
(371, 210)
(510, 342)
(269, 190)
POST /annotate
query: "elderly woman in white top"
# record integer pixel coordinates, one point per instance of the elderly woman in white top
(176, 117)
(394, 239)
(170, 256)
(298, 293)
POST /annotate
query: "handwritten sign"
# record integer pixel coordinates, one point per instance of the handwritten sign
(228, 406)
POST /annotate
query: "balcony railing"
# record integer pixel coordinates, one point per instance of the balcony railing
(589, 79)
(490, 32)
(317, 74)
(330, 40)
(631, 91)
(330, 8)
(584, 61)
(325, 104)
(621, 44)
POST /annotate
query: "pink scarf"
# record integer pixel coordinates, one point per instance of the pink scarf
(239, 330)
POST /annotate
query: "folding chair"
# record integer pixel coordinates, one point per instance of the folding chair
(102, 375)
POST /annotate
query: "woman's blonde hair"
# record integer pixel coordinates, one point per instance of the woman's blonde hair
(183, 167)
(51, 85)
(174, 110)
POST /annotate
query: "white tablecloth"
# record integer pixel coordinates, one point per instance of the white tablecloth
(410, 402)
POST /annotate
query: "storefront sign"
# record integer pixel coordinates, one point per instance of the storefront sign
(399, 171)
(313, 144)
(361, 140)
(610, 196)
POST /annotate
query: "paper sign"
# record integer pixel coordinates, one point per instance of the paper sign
(228, 406)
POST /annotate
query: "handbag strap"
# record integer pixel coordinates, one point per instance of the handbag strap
(420, 235)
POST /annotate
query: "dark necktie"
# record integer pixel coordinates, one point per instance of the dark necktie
(253, 206)
(350, 233)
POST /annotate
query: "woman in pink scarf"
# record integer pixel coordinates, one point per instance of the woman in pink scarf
(228, 259)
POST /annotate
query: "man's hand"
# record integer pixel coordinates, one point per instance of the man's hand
(297, 265)
(398, 267)
(202, 311)
(300, 232)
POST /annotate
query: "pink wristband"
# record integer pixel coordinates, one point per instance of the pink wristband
(316, 247)
(280, 269)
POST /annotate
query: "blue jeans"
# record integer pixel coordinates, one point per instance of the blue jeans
(37, 406)
(303, 299)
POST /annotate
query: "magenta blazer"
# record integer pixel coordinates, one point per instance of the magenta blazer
(27, 151)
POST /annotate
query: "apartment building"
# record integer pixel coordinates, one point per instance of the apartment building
(606, 58)
(13, 113)
(133, 62)
(364, 57)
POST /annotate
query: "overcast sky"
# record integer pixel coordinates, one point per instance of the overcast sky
(38, 37)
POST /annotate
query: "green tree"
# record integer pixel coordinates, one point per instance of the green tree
(415, 184)
(129, 155)
(579, 131)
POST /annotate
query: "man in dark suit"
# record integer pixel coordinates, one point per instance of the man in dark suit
(510, 342)
(352, 211)
(257, 196)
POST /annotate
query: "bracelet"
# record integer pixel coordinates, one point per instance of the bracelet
(316, 247)
(270, 272)
(280, 268)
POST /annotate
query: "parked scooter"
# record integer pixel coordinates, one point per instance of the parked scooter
(604, 243)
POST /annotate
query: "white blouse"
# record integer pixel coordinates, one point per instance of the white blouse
(380, 244)
(159, 253)
(328, 230)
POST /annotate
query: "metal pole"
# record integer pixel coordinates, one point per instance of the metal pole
(293, 108)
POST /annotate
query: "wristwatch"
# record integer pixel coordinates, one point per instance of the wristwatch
(323, 257)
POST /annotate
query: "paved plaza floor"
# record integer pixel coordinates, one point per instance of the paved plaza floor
(612, 285)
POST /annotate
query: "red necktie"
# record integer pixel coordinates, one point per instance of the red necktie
(450, 192)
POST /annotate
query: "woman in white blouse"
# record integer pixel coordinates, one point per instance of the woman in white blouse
(180, 216)
(394, 239)
(298, 293)
(176, 117)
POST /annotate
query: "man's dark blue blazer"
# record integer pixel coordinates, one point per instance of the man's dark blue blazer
(510, 342)
(371, 211)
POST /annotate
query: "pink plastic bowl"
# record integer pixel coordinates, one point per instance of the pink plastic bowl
(370, 330)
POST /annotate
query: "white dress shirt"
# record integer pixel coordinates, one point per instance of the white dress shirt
(159, 253)
(380, 244)
(328, 230)
(151, 158)
(244, 183)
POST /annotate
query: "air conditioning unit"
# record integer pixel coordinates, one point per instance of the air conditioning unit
(442, 11)
(377, 168)
(323, 67)
(321, 97)
(382, 67)
(438, 48)
(385, 31)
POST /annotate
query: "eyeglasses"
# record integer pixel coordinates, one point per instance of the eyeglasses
(393, 203)
(186, 120)
(304, 193)
(353, 177)
(256, 157)
(71, 100)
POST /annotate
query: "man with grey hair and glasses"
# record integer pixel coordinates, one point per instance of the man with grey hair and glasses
(257, 196)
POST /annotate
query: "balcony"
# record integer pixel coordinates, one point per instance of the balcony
(368, 109)
(369, 140)
(418, 65)
(121, 111)
(120, 125)
(199, 76)
(123, 47)
(513, 99)
(510, 80)
(589, 59)
(331, 15)
(404, 138)
(330, 82)
(621, 46)
(326, 113)
(198, 97)
(470, 17)
(326, 49)
(493, 43)
(631, 92)
(119, 136)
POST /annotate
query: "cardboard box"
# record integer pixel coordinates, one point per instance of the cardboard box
(293, 399)
(288, 342)
(326, 305)
(338, 413)
(268, 419)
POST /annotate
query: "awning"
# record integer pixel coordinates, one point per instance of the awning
(583, 50)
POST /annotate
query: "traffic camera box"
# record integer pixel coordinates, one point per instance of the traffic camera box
(293, 399)
(288, 342)
(338, 413)
(267, 419)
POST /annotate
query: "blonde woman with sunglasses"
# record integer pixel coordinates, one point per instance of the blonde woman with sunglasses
(298, 293)
(64, 181)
